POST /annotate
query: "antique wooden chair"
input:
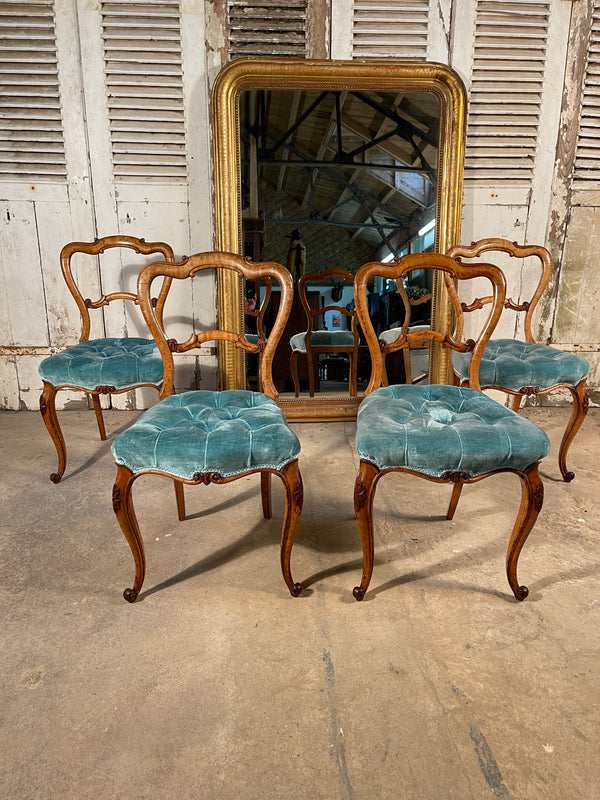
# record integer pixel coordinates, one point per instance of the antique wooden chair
(313, 341)
(526, 368)
(446, 434)
(100, 366)
(420, 348)
(203, 437)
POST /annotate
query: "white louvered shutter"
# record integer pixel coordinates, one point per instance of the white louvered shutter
(392, 29)
(267, 28)
(587, 159)
(507, 78)
(31, 132)
(143, 72)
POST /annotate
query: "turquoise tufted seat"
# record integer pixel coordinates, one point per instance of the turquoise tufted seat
(513, 364)
(100, 366)
(120, 363)
(446, 434)
(226, 433)
(203, 437)
(322, 339)
(523, 368)
(436, 430)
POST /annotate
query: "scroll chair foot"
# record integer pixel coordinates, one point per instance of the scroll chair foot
(294, 495)
(123, 508)
(532, 499)
(48, 411)
(364, 494)
(581, 401)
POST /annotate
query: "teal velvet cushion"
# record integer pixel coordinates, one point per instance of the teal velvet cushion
(252, 337)
(227, 432)
(322, 339)
(105, 362)
(438, 429)
(514, 365)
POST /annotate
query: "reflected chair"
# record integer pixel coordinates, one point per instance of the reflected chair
(258, 313)
(419, 348)
(103, 366)
(446, 434)
(313, 341)
(526, 368)
(203, 437)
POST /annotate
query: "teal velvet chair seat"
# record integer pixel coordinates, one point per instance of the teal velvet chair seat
(203, 437)
(512, 364)
(446, 434)
(120, 363)
(437, 430)
(322, 339)
(525, 368)
(101, 366)
(225, 433)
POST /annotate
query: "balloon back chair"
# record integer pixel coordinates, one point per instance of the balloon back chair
(525, 368)
(204, 437)
(100, 366)
(313, 341)
(446, 434)
(420, 348)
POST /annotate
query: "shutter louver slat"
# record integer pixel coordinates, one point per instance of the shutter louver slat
(267, 28)
(587, 155)
(509, 60)
(396, 29)
(144, 83)
(31, 134)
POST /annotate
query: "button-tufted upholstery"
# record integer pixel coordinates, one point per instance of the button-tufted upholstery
(120, 363)
(444, 429)
(208, 432)
(322, 339)
(513, 365)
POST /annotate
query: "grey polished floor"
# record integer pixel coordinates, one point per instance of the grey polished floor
(217, 684)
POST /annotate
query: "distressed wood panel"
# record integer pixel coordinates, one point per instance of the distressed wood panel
(22, 305)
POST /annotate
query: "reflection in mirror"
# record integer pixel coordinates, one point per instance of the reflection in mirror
(330, 180)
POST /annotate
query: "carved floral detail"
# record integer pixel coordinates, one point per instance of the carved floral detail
(360, 496)
(455, 477)
(298, 495)
(206, 477)
(529, 390)
(538, 497)
(116, 498)
(105, 389)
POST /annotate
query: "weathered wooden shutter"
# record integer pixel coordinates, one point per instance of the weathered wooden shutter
(505, 99)
(267, 28)
(587, 158)
(31, 132)
(143, 72)
(392, 29)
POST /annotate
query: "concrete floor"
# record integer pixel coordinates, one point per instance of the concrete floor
(217, 684)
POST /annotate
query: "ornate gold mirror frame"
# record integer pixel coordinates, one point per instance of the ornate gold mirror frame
(400, 76)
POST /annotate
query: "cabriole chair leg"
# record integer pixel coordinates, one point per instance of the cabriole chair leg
(581, 401)
(123, 508)
(48, 411)
(294, 495)
(364, 494)
(532, 499)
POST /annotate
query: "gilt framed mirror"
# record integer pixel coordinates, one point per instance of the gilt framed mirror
(324, 165)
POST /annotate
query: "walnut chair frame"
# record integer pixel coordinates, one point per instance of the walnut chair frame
(48, 396)
(579, 394)
(289, 473)
(314, 349)
(370, 472)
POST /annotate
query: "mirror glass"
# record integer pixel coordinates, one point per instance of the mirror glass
(323, 166)
(331, 180)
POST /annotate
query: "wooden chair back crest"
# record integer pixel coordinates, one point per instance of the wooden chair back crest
(312, 314)
(245, 268)
(100, 246)
(400, 269)
(514, 250)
